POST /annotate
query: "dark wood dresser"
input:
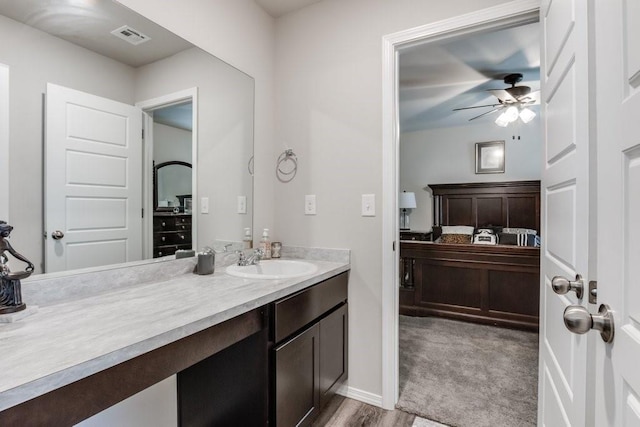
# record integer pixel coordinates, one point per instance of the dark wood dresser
(170, 233)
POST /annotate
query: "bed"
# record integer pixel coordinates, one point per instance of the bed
(484, 283)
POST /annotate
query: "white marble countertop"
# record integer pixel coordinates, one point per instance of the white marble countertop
(67, 341)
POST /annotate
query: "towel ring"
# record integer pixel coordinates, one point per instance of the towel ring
(286, 175)
(250, 166)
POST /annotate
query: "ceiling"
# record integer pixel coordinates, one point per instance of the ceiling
(88, 23)
(178, 116)
(277, 8)
(435, 78)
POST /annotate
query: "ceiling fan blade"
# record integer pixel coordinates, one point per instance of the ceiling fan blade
(484, 114)
(532, 98)
(502, 95)
(477, 106)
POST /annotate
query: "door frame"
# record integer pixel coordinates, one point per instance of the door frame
(515, 13)
(147, 107)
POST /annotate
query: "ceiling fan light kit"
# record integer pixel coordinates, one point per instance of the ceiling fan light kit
(511, 114)
(513, 102)
(526, 115)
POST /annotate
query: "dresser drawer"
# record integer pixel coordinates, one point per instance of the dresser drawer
(160, 251)
(300, 309)
(172, 223)
(171, 238)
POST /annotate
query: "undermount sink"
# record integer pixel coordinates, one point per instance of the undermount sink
(273, 269)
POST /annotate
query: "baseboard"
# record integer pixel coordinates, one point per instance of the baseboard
(361, 395)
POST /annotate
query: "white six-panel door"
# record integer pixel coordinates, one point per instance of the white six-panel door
(93, 174)
(565, 207)
(617, 37)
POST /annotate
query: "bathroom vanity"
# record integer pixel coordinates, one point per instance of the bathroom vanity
(240, 347)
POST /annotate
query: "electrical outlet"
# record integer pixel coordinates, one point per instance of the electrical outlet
(204, 205)
(310, 204)
(368, 205)
(242, 204)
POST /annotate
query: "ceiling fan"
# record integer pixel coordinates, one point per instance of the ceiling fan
(512, 101)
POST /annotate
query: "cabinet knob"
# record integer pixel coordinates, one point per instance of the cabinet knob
(164, 224)
(164, 238)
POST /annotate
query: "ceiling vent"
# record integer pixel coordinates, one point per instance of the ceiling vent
(131, 35)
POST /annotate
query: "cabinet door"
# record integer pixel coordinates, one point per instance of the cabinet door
(297, 396)
(333, 352)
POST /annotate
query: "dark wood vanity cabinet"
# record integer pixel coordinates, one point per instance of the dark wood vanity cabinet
(229, 388)
(309, 354)
(170, 233)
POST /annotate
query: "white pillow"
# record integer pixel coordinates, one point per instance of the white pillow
(457, 229)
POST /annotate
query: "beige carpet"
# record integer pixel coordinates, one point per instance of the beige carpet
(467, 375)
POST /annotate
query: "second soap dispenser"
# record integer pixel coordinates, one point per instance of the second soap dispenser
(265, 244)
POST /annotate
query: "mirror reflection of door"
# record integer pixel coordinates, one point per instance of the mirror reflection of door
(172, 178)
(93, 155)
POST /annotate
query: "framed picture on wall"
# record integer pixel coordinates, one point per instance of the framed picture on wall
(490, 157)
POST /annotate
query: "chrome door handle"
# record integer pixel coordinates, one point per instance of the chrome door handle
(57, 235)
(561, 285)
(578, 320)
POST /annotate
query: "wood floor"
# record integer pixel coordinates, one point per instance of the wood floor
(344, 412)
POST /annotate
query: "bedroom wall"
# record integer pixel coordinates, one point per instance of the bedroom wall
(447, 155)
(171, 143)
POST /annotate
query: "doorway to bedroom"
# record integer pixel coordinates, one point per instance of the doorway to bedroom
(470, 150)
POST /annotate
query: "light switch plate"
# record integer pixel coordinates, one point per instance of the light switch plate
(204, 205)
(368, 205)
(242, 204)
(310, 204)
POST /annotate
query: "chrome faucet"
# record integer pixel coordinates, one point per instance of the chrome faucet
(253, 259)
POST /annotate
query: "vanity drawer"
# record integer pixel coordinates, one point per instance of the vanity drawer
(298, 310)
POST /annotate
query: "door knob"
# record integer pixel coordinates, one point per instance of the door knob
(578, 320)
(561, 285)
(57, 235)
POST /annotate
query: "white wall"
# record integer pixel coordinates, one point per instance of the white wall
(447, 155)
(171, 143)
(225, 109)
(329, 109)
(4, 140)
(242, 34)
(36, 58)
(155, 406)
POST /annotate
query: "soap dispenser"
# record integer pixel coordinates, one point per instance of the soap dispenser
(247, 240)
(265, 244)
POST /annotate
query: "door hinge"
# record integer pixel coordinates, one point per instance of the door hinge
(394, 246)
(593, 291)
(142, 133)
(142, 212)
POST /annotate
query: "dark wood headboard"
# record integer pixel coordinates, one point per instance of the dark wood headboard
(507, 204)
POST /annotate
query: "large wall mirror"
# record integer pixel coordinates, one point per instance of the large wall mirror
(98, 95)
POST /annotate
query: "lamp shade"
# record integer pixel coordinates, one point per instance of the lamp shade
(407, 200)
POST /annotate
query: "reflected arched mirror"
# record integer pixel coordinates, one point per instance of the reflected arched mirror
(172, 186)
